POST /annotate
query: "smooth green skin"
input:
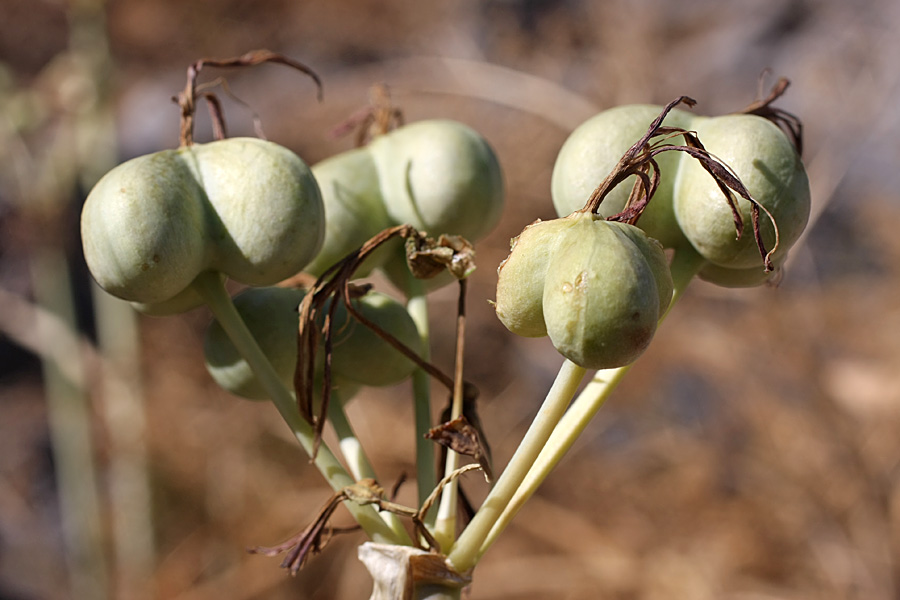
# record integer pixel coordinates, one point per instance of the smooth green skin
(247, 208)
(768, 165)
(440, 177)
(354, 210)
(360, 357)
(592, 151)
(737, 278)
(520, 278)
(271, 316)
(653, 253)
(602, 299)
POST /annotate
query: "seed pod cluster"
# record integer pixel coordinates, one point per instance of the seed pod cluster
(597, 288)
(689, 207)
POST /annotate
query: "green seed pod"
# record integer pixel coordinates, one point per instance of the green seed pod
(656, 259)
(271, 316)
(602, 299)
(520, 278)
(768, 165)
(441, 177)
(144, 228)
(739, 278)
(359, 357)
(592, 151)
(247, 208)
(354, 211)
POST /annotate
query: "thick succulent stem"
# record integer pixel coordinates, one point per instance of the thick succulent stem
(467, 550)
(426, 478)
(355, 456)
(210, 287)
(445, 526)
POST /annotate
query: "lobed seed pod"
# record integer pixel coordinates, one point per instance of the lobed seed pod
(359, 357)
(271, 316)
(739, 278)
(354, 211)
(520, 278)
(246, 208)
(594, 148)
(766, 162)
(602, 298)
(439, 176)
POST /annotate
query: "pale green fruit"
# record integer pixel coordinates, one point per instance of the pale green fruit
(765, 161)
(271, 316)
(592, 151)
(520, 278)
(144, 228)
(656, 260)
(441, 177)
(268, 208)
(738, 278)
(359, 356)
(602, 299)
(244, 207)
(354, 211)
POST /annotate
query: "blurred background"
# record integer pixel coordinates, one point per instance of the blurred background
(752, 453)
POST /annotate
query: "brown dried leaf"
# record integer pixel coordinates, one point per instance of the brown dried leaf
(463, 438)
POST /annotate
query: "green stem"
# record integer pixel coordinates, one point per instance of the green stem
(685, 265)
(355, 455)
(426, 478)
(210, 287)
(467, 550)
(445, 526)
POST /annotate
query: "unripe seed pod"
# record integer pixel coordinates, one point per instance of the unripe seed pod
(739, 278)
(520, 278)
(441, 177)
(768, 165)
(592, 151)
(602, 300)
(359, 357)
(271, 316)
(354, 211)
(244, 207)
(144, 228)
(656, 260)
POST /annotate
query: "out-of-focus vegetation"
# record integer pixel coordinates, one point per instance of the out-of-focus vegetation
(752, 452)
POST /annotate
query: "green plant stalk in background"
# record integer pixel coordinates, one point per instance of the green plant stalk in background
(118, 337)
(69, 418)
